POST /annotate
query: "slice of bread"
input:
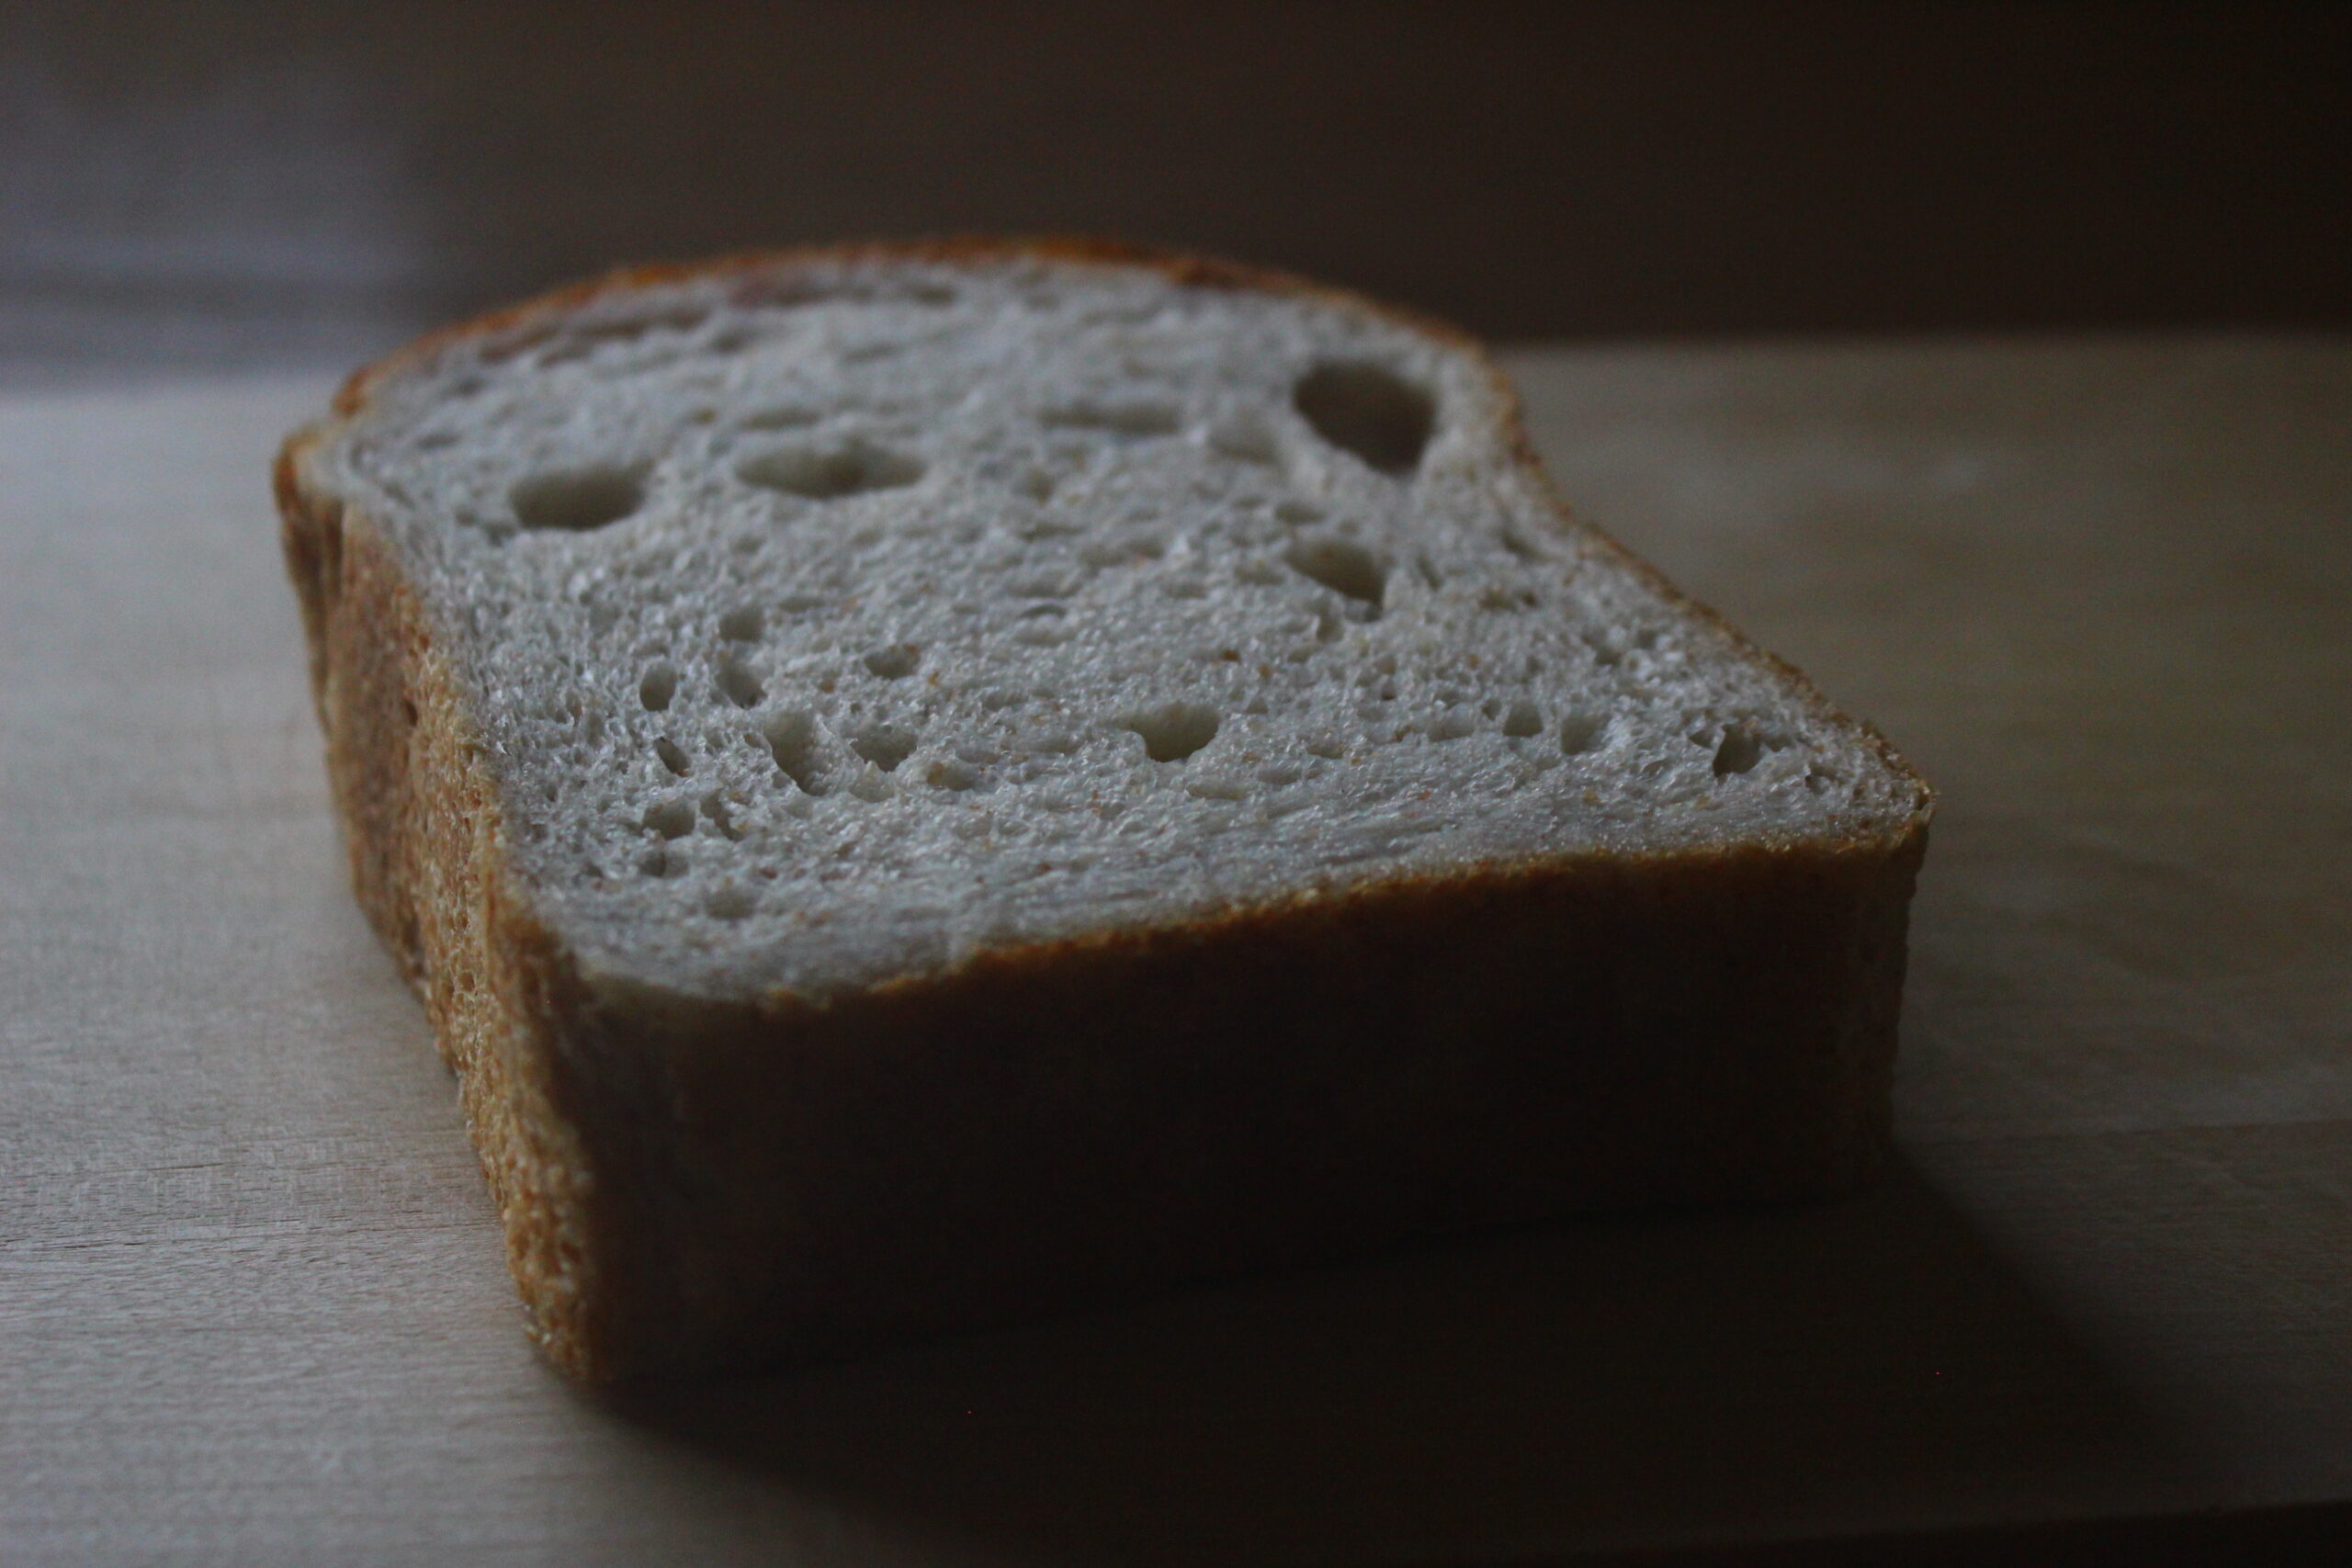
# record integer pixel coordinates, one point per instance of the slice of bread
(926, 784)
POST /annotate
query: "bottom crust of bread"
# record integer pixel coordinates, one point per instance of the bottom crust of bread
(691, 1185)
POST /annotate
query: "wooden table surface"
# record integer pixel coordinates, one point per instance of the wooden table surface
(252, 1304)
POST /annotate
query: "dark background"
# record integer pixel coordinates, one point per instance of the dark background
(186, 184)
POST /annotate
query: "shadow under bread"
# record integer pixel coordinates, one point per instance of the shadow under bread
(1755, 1374)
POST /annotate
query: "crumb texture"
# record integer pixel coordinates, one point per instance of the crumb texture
(833, 624)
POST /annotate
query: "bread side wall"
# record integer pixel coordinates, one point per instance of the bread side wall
(1051, 1127)
(422, 824)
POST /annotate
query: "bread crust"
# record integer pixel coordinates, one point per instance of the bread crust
(687, 1184)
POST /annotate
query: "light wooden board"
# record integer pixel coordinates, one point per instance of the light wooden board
(252, 1305)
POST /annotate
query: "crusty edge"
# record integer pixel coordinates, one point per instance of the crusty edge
(425, 829)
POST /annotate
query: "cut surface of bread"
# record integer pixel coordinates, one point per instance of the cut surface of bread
(926, 784)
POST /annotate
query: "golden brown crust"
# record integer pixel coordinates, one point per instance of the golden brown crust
(687, 1183)
(1070, 250)
(425, 832)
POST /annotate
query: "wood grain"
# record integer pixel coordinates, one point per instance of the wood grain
(251, 1306)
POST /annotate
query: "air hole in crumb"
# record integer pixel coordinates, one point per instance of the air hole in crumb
(948, 775)
(792, 740)
(1132, 418)
(1296, 512)
(1341, 566)
(721, 812)
(672, 757)
(1581, 732)
(661, 683)
(886, 746)
(739, 685)
(1119, 551)
(788, 416)
(894, 663)
(729, 904)
(1172, 731)
(1371, 411)
(1740, 750)
(663, 861)
(742, 624)
(1522, 720)
(671, 819)
(1510, 540)
(586, 335)
(831, 473)
(577, 500)
(1244, 436)
(1451, 727)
